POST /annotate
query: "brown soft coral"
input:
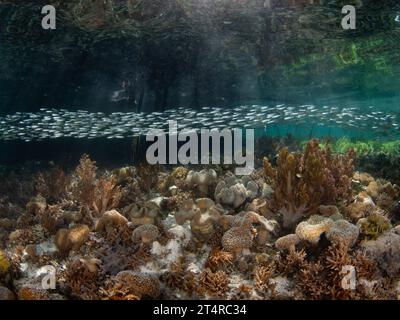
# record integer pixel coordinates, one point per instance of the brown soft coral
(52, 184)
(304, 181)
(85, 187)
(114, 225)
(99, 195)
(107, 195)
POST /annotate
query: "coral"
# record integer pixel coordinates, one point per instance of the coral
(291, 262)
(107, 195)
(288, 242)
(246, 221)
(259, 206)
(5, 264)
(343, 232)
(235, 191)
(124, 175)
(146, 213)
(243, 292)
(237, 239)
(51, 218)
(71, 239)
(84, 189)
(201, 180)
(214, 284)
(364, 178)
(373, 189)
(302, 182)
(386, 252)
(328, 211)
(219, 260)
(32, 293)
(321, 277)
(22, 236)
(147, 176)
(36, 205)
(6, 294)
(82, 277)
(373, 226)
(312, 229)
(203, 214)
(176, 179)
(131, 192)
(52, 184)
(114, 226)
(146, 234)
(358, 210)
(262, 276)
(140, 284)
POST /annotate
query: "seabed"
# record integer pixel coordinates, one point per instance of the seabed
(308, 223)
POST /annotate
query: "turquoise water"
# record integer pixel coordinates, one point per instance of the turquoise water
(111, 59)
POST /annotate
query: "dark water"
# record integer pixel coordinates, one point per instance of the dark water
(111, 57)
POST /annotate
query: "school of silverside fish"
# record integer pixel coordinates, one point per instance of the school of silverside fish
(58, 123)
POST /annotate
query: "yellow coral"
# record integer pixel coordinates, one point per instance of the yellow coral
(4, 263)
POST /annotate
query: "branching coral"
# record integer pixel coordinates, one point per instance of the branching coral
(214, 284)
(82, 276)
(302, 182)
(219, 260)
(322, 277)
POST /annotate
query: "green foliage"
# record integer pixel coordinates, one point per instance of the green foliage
(367, 147)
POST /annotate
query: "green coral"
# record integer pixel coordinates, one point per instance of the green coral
(367, 147)
(373, 226)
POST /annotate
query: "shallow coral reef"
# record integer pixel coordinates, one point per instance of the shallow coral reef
(308, 227)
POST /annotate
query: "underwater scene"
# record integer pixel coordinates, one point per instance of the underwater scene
(200, 150)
